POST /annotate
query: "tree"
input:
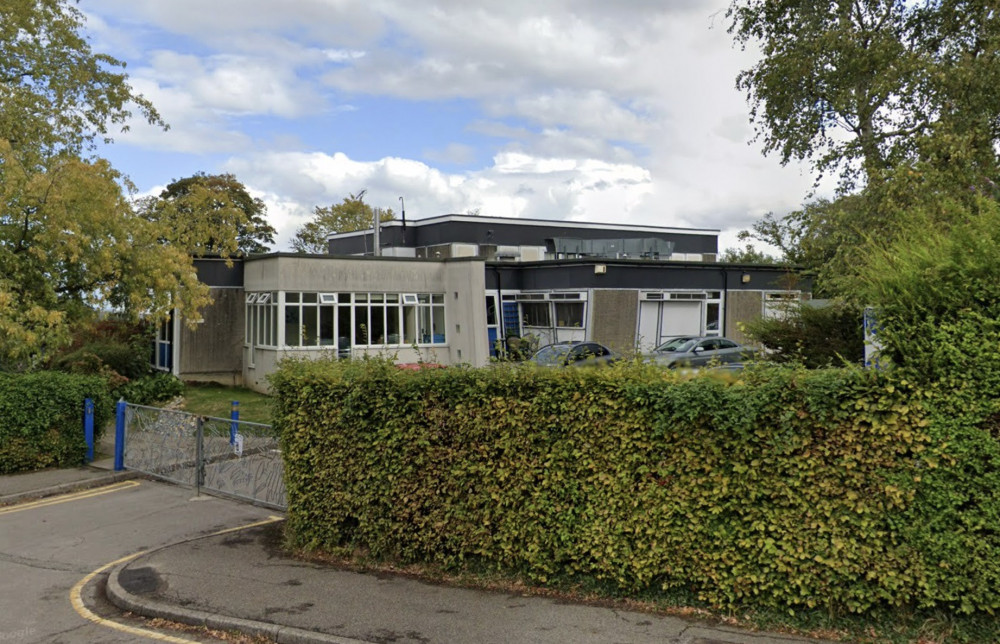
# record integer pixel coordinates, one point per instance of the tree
(70, 242)
(59, 97)
(349, 215)
(868, 86)
(211, 214)
(813, 335)
(746, 255)
(70, 245)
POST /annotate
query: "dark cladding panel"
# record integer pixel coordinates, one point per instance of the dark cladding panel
(644, 276)
(620, 276)
(354, 245)
(215, 272)
(509, 233)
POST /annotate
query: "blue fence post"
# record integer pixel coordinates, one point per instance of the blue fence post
(234, 426)
(88, 427)
(120, 436)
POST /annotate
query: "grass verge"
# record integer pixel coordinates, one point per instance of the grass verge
(210, 399)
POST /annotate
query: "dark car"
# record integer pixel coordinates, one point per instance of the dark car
(573, 354)
(698, 351)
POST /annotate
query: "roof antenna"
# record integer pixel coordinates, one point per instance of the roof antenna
(402, 206)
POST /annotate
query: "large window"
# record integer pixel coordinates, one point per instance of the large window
(262, 319)
(548, 310)
(164, 346)
(343, 320)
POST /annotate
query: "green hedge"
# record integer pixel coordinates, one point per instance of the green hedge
(779, 488)
(41, 418)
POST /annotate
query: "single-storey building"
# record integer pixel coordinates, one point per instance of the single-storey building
(455, 289)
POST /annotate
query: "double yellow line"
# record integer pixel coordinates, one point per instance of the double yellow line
(76, 593)
(65, 498)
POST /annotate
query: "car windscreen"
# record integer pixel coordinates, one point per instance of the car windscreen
(551, 355)
(678, 345)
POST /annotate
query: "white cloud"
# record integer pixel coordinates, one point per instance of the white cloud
(515, 186)
(590, 110)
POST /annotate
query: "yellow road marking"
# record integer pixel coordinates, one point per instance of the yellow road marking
(76, 594)
(74, 496)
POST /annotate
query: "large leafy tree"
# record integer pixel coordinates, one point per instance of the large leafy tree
(70, 242)
(56, 94)
(349, 215)
(863, 87)
(896, 96)
(211, 214)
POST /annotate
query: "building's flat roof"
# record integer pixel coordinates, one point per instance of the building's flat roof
(549, 223)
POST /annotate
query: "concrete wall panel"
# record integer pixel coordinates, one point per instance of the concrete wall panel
(614, 318)
(742, 307)
(213, 350)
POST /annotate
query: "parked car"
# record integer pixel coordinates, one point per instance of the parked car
(698, 351)
(573, 354)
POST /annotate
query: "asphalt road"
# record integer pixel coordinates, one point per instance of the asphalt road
(49, 548)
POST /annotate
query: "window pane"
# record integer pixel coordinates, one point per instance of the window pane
(377, 333)
(377, 297)
(424, 298)
(343, 328)
(536, 314)
(326, 325)
(293, 324)
(569, 314)
(310, 326)
(361, 325)
(711, 317)
(272, 324)
(409, 324)
(309, 297)
(425, 324)
(491, 311)
(392, 297)
(437, 299)
(437, 325)
(392, 325)
(291, 297)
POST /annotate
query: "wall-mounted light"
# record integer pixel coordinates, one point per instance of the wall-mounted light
(600, 269)
(745, 278)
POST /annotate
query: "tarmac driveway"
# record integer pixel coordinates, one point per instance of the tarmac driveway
(48, 546)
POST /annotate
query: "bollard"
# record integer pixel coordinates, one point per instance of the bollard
(88, 427)
(234, 414)
(120, 436)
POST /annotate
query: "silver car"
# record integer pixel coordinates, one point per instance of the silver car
(698, 351)
(573, 354)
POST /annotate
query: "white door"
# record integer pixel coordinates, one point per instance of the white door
(660, 321)
(649, 326)
(680, 318)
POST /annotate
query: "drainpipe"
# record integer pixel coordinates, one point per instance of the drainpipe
(724, 313)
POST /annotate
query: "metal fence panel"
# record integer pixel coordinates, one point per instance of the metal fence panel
(161, 442)
(243, 459)
(225, 456)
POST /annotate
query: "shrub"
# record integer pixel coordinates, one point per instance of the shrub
(41, 418)
(127, 359)
(150, 389)
(777, 487)
(815, 336)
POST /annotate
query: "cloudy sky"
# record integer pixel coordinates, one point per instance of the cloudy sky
(581, 110)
